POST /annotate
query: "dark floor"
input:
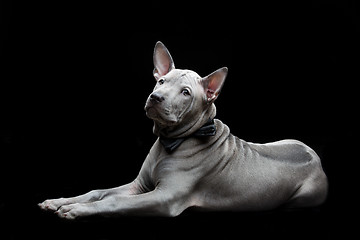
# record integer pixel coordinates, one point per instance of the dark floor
(308, 223)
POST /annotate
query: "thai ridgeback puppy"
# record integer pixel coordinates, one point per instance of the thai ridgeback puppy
(197, 162)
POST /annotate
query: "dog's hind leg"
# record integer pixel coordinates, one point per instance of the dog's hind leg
(312, 192)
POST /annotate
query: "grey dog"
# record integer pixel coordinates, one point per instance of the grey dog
(197, 162)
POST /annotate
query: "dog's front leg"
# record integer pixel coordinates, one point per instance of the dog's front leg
(95, 195)
(155, 203)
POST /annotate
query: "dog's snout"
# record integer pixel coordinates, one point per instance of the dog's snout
(157, 97)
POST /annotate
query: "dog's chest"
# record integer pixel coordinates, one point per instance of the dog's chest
(196, 158)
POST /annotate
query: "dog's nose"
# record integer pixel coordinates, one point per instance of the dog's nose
(157, 97)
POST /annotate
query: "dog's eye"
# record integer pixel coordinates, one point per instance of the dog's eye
(185, 92)
(161, 81)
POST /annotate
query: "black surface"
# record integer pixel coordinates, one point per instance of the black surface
(76, 77)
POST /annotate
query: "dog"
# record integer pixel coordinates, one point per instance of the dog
(196, 161)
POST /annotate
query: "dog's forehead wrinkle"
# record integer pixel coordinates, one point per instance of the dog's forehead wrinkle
(185, 77)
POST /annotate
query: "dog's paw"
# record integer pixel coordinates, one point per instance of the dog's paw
(52, 204)
(71, 211)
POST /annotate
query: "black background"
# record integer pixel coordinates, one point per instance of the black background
(76, 76)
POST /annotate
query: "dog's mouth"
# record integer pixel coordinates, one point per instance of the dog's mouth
(159, 114)
(151, 112)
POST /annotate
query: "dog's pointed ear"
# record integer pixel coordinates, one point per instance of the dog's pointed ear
(213, 83)
(163, 61)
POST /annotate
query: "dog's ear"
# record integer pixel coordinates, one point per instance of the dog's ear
(213, 83)
(163, 61)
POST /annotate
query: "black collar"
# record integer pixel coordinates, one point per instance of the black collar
(208, 129)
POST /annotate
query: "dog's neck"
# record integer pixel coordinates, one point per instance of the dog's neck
(187, 126)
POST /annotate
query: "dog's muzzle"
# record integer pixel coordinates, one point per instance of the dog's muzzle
(152, 105)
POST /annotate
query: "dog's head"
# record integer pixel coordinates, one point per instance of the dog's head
(181, 101)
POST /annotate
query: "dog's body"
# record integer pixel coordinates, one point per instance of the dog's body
(197, 162)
